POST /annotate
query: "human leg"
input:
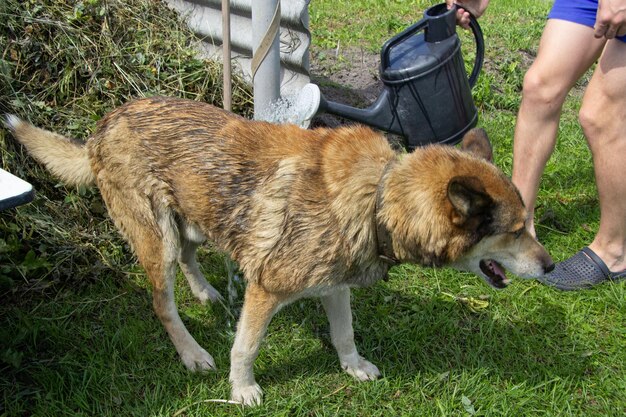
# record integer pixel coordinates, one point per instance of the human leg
(566, 52)
(603, 119)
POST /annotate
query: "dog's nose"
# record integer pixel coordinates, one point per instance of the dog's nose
(548, 268)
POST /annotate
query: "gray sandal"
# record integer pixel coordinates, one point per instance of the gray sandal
(583, 270)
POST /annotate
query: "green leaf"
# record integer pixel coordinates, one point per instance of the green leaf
(467, 404)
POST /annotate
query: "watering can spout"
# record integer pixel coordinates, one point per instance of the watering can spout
(377, 115)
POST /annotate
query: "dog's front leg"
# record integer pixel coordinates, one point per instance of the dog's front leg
(337, 307)
(258, 309)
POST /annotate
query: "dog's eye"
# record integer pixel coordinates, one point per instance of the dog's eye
(518, 233)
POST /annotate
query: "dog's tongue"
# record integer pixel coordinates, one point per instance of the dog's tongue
(497, 269)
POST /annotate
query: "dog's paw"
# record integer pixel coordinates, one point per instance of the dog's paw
(208, 294)
(250, 395)
(363, 371)
(198, 360)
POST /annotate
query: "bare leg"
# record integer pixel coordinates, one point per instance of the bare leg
(566, 52)
(337, 307)
(258, 309)
(603, 118)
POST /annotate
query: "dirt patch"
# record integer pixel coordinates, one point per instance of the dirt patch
(350, 77)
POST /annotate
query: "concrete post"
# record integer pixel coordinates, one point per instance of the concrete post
(265, 40)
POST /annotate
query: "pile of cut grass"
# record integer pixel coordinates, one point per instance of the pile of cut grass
(63, 65)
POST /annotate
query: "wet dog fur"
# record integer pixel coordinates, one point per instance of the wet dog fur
(300, 211)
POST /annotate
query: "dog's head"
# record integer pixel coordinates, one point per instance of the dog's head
(450, 207)
(503, 243)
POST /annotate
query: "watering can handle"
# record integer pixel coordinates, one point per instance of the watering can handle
(480, 50)
(421, 25)
(410, 31)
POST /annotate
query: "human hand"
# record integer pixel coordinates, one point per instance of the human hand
(465, 7)
(610, 19)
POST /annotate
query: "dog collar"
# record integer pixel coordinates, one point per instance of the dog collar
(383, 237)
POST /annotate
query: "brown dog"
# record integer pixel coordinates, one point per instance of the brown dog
(303, 212)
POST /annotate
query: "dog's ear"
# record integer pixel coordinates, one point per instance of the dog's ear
(477, 143)
(470, 201)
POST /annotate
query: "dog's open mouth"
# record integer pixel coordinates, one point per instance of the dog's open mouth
(495, 273)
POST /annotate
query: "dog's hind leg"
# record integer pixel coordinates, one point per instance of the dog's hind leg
(153, 234)
(192, 354)
(258, 309)
(337, 307)
(190, 239)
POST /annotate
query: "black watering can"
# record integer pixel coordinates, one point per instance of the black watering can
(426, 97)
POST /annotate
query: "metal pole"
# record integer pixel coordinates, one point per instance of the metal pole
(265, 55)
(226, 55)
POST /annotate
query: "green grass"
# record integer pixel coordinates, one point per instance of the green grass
(77, 331)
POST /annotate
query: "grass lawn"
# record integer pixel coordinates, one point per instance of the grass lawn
(77, 331)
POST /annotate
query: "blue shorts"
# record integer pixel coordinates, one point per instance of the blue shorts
(582, 12)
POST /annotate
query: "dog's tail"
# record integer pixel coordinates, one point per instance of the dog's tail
(64, 157)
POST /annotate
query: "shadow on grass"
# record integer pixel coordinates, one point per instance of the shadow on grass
(433, 336)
